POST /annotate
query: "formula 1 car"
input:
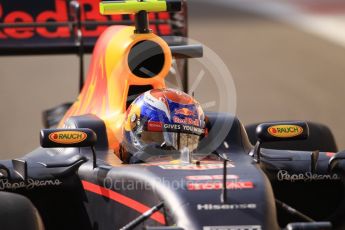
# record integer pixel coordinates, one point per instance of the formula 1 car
(75, 181)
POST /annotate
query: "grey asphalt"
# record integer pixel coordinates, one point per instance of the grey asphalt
(280, 73)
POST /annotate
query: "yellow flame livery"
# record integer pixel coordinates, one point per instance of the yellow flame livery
(109, 78)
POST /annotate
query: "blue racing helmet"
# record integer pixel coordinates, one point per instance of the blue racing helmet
(164, 118)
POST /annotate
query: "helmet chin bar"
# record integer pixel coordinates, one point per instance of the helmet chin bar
(181, 147)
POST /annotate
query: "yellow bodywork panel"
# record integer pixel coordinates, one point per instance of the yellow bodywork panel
(131, 7)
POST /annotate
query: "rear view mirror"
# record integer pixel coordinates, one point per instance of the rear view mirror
(279, 131)
(282, 131)
(64, 138)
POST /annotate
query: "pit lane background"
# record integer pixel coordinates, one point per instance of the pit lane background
(281, 72)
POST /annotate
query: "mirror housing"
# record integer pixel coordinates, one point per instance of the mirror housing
(282, 131)
(279, 131)
(65, 138)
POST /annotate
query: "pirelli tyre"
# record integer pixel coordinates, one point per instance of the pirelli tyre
(17, 213)
(320, 138)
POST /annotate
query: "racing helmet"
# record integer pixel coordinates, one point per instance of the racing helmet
(163, 119)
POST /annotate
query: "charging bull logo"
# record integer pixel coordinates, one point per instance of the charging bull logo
(184, 111)
(67, 137)
(285, 131)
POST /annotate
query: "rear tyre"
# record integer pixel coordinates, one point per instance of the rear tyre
(17, 213)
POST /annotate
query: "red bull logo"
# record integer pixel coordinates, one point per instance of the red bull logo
(57, 11)
(187, 121)
(184, 111)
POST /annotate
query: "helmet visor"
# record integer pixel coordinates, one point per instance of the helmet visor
(171, 140)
